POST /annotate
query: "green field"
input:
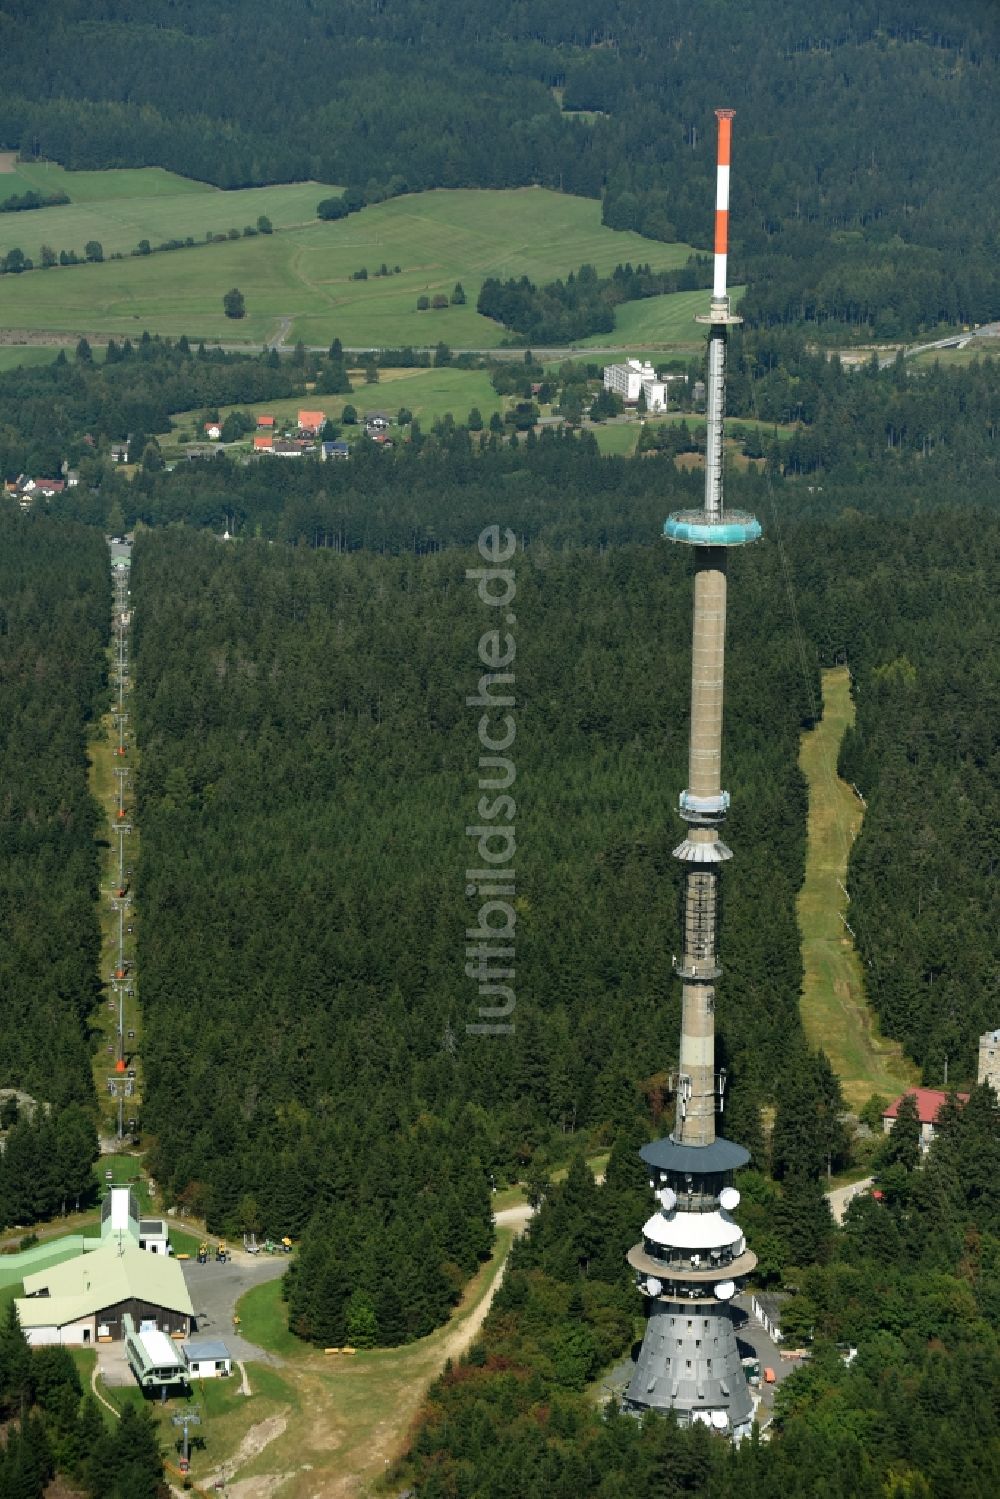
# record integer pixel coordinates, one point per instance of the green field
(656, 321)
(119, 208)
(17, 356)
(304, 275)
(427, 393)
(835, 1009)
(619, 439)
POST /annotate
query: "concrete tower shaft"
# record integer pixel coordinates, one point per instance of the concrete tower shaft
(708, 660)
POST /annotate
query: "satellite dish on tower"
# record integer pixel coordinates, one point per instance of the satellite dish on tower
(653, 1286)
(668, 1199)
(720, 1420)
(725, 1290)
(729, 1198)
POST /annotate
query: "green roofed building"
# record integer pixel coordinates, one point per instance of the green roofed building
(84, 1300)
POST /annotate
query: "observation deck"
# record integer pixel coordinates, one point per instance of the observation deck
(731, 528)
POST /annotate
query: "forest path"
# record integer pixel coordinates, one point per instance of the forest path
(835, 1009)
(349, 1417)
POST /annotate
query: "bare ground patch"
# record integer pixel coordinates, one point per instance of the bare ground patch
(252, 1445)
(8, 161)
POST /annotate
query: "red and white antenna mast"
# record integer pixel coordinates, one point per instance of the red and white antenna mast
(725, 119)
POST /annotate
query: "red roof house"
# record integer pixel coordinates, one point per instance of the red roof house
(265, 421)
(930, 1102)
(263, 442)
(312, 421)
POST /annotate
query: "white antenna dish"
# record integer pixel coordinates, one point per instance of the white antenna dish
(729, 1198)
(720, 1420)
(668, 1199)
(653, 1286)
(725, 1290)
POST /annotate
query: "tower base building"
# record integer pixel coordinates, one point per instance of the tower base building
(690, 1264)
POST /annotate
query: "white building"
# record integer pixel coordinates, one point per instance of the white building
(634, 376)
(208, 1360)
(626, 380)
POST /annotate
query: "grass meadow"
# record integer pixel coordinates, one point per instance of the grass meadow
(835, 1009)
(119, 208)
(427, 393)
(299, 279)
(17, 356)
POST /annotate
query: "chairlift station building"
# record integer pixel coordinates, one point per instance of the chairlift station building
(85, 1300)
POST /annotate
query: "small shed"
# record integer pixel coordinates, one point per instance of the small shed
(208, 1359)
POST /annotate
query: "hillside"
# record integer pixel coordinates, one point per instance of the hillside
(860, 124)
(302, 277)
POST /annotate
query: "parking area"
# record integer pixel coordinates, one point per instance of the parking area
(112, 1365)
(215, 1289)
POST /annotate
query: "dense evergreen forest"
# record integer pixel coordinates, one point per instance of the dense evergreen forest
(867, 205)
(54, 623)
(910, 1284)
(51, 1427)
(309, 771)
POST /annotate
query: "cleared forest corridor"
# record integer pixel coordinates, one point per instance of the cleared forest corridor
(835, 1009)
(116, 1062)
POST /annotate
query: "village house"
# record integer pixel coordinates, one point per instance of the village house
(24, 489)
(334, 450)
(312, 422)
(930, 1102)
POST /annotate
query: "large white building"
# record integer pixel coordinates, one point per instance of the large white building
(634, 376)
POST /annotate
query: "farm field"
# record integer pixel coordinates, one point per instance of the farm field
(299, 280)
(119, 208)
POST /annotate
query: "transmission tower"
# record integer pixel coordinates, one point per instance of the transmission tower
(692, 1257)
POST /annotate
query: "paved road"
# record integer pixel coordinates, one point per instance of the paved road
(215, 1290)
(841, 1196)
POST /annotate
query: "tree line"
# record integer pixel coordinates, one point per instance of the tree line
(561, 312)
(52, 1428)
